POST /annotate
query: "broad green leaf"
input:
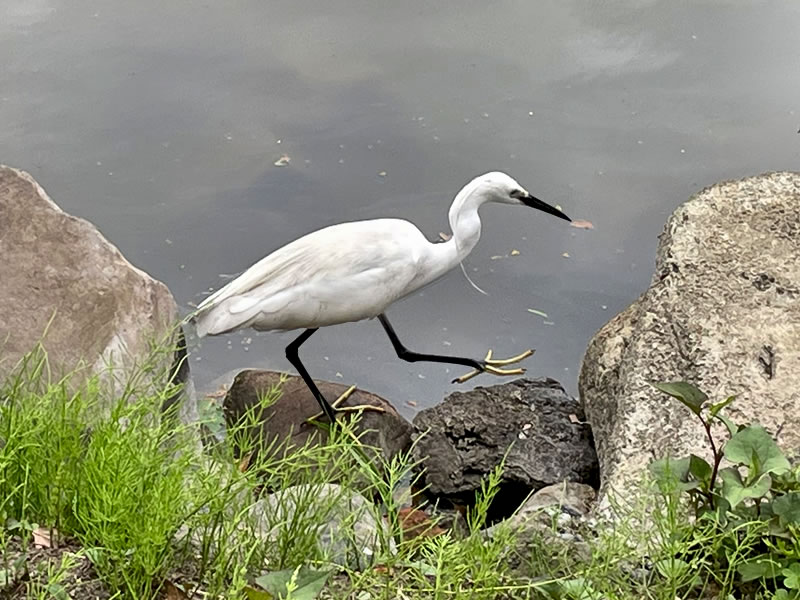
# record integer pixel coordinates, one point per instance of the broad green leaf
(95, 555)
(714, 409)
(699, 468)
(579, 589)
(735, 491)
(254, 594)
(755, 447)
(422, 567)
(669, 471)
(787, 507)
(758, 568)
(672, 568)
(730, 425)
(308, 582)
(792, 575)
(688, 394)
(552, 589)
(57, 591)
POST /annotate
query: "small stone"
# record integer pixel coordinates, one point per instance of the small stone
(352, 522)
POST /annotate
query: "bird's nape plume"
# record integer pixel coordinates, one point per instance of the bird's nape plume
(472, 283)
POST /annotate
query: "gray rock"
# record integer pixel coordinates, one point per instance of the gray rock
(534, 420)
(64, 284)
(339, 523)
(555, 516)
(286, 419)
(722, 312)
(575, 499)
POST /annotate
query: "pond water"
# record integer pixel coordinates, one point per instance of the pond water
(162, 122)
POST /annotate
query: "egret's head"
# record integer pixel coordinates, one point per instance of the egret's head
(504, 189)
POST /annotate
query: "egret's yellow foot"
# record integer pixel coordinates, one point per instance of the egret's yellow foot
(493, 366)
(344, 396)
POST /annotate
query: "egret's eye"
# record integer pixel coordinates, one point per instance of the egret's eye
(517, 194)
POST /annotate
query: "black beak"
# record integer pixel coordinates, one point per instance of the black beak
(534, 202)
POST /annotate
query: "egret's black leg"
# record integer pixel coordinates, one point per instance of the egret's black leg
(411, 356)
(294, 358)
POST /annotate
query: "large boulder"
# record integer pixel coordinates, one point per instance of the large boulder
(533, 423)
(722, 312)
(285, 421)
(65, 285)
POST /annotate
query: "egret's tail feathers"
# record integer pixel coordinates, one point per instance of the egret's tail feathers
(217, 321)
(237, 313)
(215, 316)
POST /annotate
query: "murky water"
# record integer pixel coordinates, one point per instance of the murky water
(161, 122)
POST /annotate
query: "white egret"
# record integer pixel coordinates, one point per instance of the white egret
(354, 271)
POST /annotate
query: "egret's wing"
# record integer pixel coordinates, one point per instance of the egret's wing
(338, 252)
(272, 268)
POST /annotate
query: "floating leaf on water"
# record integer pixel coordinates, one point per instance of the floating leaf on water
(537, 312)
(496, 257)
(411, 403)
(514, 252)
(282, 161)
(382, 174)
(565, 254)
(580, 224)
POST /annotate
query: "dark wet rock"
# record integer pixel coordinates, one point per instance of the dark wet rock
(533, 420)
(722, 312)
(286, 419)
(64, 284)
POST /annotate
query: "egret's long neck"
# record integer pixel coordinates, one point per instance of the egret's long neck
(464, 220)
(466, 227)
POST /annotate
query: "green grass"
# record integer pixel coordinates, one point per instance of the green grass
(145, 506)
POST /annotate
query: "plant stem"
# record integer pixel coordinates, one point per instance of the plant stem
(717, 460)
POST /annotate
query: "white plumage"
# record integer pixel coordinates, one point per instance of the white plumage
(352, 271)
(342, 273)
